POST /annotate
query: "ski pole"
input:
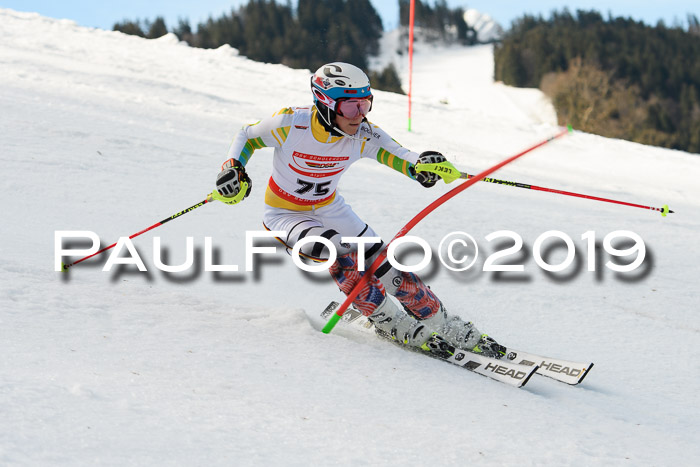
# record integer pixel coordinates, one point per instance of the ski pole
(333, 320)
(208, 199)
(664, 209)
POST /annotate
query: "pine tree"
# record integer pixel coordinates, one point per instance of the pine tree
(129, 27)
(157, 28)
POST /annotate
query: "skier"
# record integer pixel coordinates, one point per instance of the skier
(314, 146)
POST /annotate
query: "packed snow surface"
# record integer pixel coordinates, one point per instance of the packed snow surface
(110, 133)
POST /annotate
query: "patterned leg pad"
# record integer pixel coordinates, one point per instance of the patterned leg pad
(416, 297)
(344, 272)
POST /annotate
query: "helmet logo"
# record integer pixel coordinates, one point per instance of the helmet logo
(327, 71)
(323, 83)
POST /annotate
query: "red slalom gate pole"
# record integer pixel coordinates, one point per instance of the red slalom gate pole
(663, 210)
(411, 16)
(208, 199)
(333, 320)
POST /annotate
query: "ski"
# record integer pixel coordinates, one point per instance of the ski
(504, 371)
(564, 371)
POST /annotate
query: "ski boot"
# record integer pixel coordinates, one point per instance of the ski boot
(453, 331)
(438, 334)
(393, 323)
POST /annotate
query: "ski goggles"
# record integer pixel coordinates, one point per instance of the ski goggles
(353, 108)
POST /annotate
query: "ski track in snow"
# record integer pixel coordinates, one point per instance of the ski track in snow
(111, 133)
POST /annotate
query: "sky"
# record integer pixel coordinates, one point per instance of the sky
(105, 14)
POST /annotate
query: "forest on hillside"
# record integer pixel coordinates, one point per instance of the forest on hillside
(614, 77)
(313, 33)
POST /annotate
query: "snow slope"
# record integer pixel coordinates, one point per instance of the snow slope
(111, 133)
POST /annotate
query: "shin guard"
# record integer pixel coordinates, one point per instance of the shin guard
(344, 272)
(416, 297)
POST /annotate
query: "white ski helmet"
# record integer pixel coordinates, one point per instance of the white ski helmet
(334, 82)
